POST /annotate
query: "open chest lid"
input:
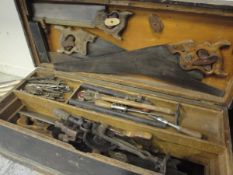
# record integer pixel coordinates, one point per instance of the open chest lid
(181, 42)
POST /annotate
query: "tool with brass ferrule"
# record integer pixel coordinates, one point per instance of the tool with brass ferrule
(121, 115)
(181, 129)
(133, 104)
(88, 95)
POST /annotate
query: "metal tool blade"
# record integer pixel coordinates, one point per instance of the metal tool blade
(99, 47)
(66, 14)
(151, 61)
(89, 106)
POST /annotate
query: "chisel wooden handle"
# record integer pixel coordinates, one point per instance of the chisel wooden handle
(103, 104)
(139, 134)
(133, 104)
(190, 132)
(185, 131)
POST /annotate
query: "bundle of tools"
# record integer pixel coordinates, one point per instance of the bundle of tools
(133, 147)
(48, 87)
(120, 105)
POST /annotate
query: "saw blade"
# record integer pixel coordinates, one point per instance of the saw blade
(151, 61)
(66, 14)
(99, 47)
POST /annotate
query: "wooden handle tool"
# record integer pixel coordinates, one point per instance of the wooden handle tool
(133, 104)
(185, 131)
(190, 132)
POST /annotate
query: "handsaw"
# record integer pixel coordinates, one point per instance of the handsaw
(66, 14)
(98, 48)
(152, 61)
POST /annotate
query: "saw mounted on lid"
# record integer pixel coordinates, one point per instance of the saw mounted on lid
(81, 51)
(156, 62)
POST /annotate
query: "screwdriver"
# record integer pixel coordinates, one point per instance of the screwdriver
(134, 104)
(183, 130)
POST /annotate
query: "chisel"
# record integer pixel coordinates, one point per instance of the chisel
(93, 107)
(183, 130)
(133, 103)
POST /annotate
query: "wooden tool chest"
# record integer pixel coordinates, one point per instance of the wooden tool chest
(65, 36)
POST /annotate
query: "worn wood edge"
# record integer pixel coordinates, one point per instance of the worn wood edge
(157, 86)
(229, 151)
(22, 81)
(225, 157)
(68, 147)
(22, 10)
(227, 131)
(14, 113)
(154, 5)
(9, 104)
(228, 97)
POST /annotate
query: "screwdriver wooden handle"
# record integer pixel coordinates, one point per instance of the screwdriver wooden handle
(185, 131)
(103, 104)
(190, 132)
(133, 104)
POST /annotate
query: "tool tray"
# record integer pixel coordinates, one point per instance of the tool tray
(202, 112)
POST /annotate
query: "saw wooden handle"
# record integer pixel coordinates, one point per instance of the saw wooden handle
(133, 104)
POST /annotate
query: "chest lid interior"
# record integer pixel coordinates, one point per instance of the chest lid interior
(177, 50)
